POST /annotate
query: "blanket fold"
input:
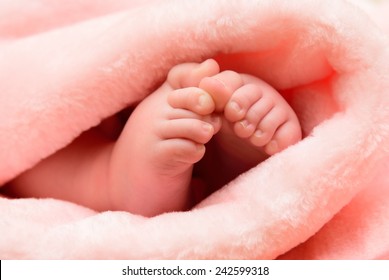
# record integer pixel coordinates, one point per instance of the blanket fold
(63, 75)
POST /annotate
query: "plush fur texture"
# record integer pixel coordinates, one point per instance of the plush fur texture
(329, 59)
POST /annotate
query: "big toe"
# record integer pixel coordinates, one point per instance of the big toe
(221, 87)
(190, 74)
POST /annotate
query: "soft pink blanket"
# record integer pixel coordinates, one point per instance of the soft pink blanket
(66, 65)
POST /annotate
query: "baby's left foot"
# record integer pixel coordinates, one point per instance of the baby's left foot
(152, 160)
(256, 111)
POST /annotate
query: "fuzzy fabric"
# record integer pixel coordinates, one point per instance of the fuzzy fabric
(65, 66)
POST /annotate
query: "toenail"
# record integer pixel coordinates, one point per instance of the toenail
(245, 124)
(258, 133)
(200, 148)
(202, 100)
(207, 127)
(272, 146)
(235, 107)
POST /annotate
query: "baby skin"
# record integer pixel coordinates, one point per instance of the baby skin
(169, 129)
(148, 170)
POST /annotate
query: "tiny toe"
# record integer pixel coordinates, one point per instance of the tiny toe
(221, 86)
(215, 120)
(268, 125)
(272, 148)
(193, 99)
(273, 119)
(259, 110)
(192, 129)
(286, 135)
(217, 90)
(241, 101)
(252, 121)
(181, 150)
(244, 129)
(190, 74)
(260, 138)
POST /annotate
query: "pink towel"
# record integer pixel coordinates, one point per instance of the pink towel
(65, 66)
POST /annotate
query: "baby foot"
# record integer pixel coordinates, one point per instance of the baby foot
(256, 111)
(163, 138)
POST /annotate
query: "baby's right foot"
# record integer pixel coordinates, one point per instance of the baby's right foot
(256, 111)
